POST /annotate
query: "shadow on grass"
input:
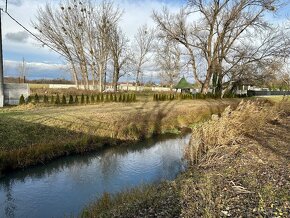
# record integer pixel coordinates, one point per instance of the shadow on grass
(274, 148)
(25, 143)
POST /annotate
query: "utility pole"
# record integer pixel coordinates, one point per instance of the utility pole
(1, 63)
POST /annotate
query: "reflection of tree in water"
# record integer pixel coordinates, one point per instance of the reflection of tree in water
(109, 164)
(171, 158)
(9, 203)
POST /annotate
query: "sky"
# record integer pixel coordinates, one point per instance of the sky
(41, 61)
(44, 63)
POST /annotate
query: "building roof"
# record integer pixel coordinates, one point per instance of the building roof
(183, 84)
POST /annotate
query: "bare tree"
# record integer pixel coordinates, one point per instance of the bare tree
(22, 68)
(143, 43)
(80, 32)
(49, 24)
(281, 76)
(120, 54)
(107, 19)
(167, 57)
(216, 38)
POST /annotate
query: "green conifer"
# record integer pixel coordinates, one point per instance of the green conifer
(134, 97)
(127, 98)
(21, 100)
(57, 100)
(36, 99)
(87, 100)
(82, 99)
(52, 99)
(76, 99)
(71, 100)
(63, 101)
(92, 99)
(45, 99)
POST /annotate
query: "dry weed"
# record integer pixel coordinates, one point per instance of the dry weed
(217, 139)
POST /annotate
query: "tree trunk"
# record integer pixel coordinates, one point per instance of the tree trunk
(115, 80)
(205, 84)
(100, 78)
(137, 78)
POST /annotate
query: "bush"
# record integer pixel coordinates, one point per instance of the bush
(102, 97)
(87, 99)
(76, 99)
(28, 100)
(127, 98)
(92, 99)
(57, 100)
(45, 99)
(52, 99)
(134, 97)
(63, 101)
(21, 100)
(36, 99)
(71, 100)
(82, 99)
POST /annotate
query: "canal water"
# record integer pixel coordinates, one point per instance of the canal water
(65, 186)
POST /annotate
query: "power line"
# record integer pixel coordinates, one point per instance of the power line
(31, 33)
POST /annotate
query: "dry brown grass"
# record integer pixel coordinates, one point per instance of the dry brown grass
(220, 138)
(34, 134)
(240, 164)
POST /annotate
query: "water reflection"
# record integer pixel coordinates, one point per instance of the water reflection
(65, 186)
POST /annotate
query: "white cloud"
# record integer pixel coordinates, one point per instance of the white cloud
(36, 70)
(35, 65)
(11, 2)
(20, 36)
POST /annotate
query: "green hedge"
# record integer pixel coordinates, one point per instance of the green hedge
(83, 99)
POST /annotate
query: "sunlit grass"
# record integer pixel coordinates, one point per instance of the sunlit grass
(34, 134)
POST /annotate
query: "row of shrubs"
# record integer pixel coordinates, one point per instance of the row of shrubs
(181, 96)
(83, 99)
(169, 97)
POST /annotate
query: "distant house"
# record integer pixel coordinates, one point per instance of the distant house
(184, 86)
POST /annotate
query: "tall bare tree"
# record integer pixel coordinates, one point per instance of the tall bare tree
(49, 24)
(80, 31)
(120, 54)
(168, 59)
(107, 20)
(142, 46)
(216, 38)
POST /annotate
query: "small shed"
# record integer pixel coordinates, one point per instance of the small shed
(183, 85)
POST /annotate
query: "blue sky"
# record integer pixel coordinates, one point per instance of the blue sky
(43, 63)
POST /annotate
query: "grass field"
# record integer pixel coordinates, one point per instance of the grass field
(34, 134)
